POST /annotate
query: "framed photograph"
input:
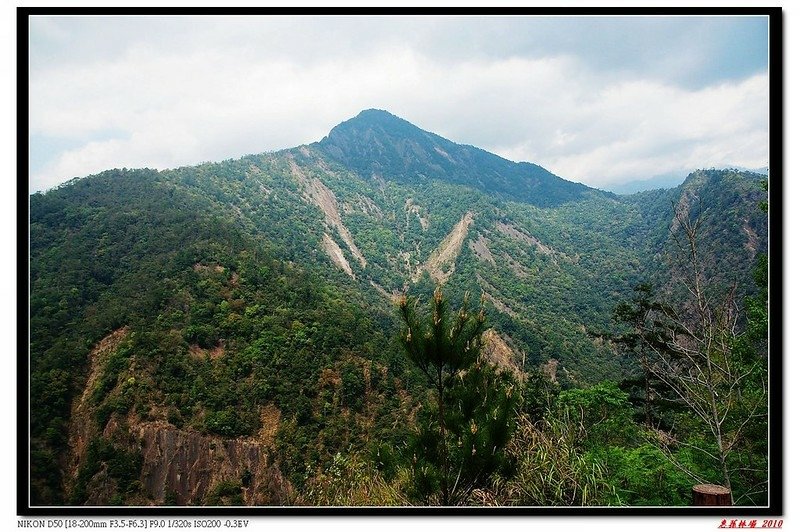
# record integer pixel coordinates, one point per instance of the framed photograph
(399, 262)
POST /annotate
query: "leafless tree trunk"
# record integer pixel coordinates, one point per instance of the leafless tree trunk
(693, 346)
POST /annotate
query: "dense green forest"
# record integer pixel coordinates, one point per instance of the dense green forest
(299, 320)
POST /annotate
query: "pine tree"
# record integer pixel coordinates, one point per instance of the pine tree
(460, 436)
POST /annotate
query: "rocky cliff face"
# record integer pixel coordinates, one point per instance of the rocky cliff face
(186, 467)
(171, 466)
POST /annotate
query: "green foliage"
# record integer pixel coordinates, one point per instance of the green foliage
(551, 469)
(354, 386)
(539, 394)
(230, 422)
(120, 465)
(644, 476)
(444, 345)
(460, 434)
(46, 476)
(479, 421)
(602, 414)
(171, 498)
(352, 481)
(225, 493)
(190, 287)
(586, 449)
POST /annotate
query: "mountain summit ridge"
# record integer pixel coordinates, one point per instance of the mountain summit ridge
(377, 143)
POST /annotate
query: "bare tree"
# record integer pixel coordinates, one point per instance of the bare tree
(695, 352)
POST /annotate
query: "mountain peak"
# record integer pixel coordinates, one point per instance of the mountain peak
(376, 143)
(376, 114)
(373, 122)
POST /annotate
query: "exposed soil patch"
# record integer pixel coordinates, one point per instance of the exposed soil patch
(549, 368)
(512, 231)
(394, 296)
(208, 268)
(444, 154)
(316, 193)
(497, 349)
(216, 352)
(498, 304)
(481, 249)
(368, 207)
(518, 269)
(447, 252)
(335, 253)
(270, 423)
(752, 239)
(413, 208)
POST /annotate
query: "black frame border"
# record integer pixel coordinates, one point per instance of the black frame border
(776, 269)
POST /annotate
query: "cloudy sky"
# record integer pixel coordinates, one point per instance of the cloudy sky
(603, 101)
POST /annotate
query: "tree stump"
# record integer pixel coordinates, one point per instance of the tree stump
(711, 495)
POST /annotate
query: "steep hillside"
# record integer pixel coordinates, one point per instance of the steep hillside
(216, 340)
(733, 230)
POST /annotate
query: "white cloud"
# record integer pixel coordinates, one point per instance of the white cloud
(216, 94)
(637, 130)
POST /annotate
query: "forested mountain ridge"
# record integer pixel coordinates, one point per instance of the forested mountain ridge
(377, 144)
(253, 300)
